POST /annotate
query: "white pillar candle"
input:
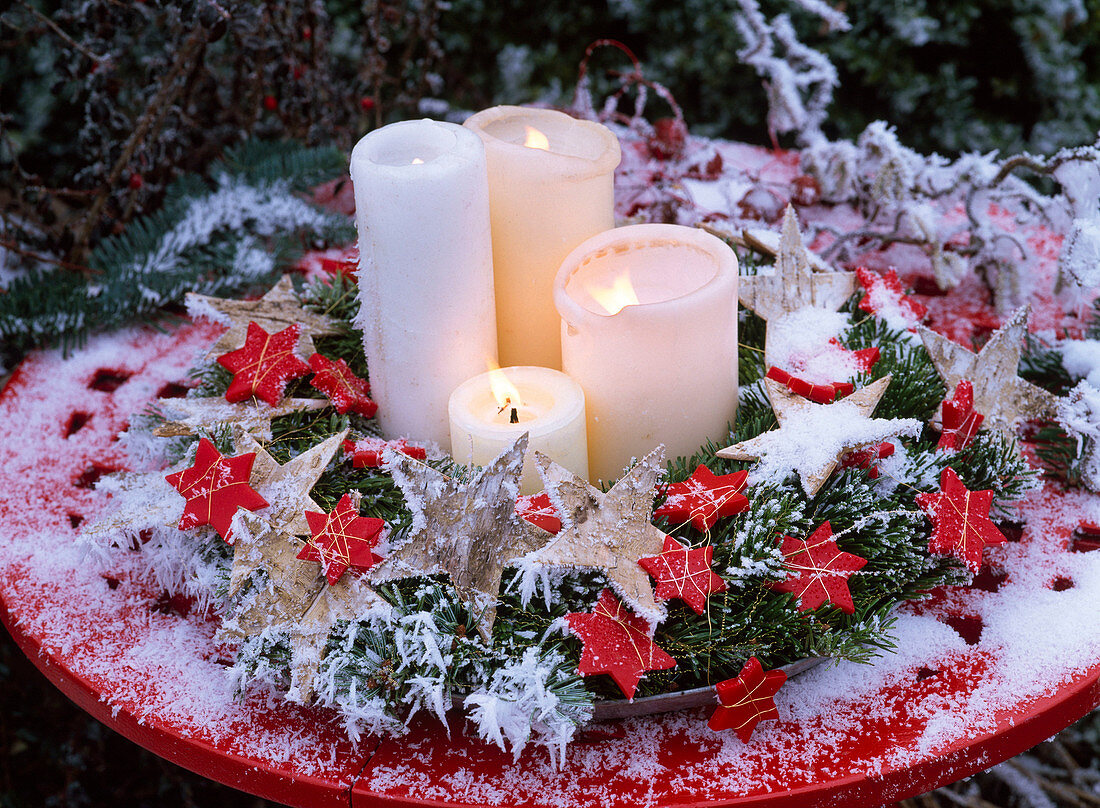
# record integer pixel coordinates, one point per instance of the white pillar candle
(551, 186)
(425, 270)
(489, 411)
(649, 331)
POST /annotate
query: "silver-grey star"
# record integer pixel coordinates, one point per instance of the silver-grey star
(999, 393)
(466, 531)
(607, 532)
(276, 310)
(793, 284)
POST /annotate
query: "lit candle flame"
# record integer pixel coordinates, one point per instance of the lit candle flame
(615, 297)
(417, 161)
(506, 393)
(536, 139)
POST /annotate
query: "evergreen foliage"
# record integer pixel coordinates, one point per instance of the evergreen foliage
(232, 232)
(379, 672)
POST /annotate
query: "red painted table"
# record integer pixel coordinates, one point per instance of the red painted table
(981, 674)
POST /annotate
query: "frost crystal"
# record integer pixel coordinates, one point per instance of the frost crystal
(520, 706)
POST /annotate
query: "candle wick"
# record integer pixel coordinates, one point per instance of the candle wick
(514, 418)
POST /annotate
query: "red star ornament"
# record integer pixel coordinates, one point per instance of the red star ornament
(818, 393)
(818, 571)
(704, 498)
(539, 511)
(960, 419)
(617, 642)
(368, 452)
(684, 573)
(747, 700)
(263, 365)
(960, 519)
(346, 391)
(342, 540)
(884, 293)
(865, 458)
(214, 487)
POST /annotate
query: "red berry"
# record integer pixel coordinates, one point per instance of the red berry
(136, 181)
(367, 103)
(270, 103)
(299, 71)
(307, 33)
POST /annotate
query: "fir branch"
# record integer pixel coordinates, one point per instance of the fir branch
(227, 237)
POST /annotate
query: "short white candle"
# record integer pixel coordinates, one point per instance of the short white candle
(649, 331)
(551, 186)
(425, 270)
(489, 411)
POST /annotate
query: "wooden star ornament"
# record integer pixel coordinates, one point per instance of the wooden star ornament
(287, 486)
(960, 519)
(607, 532)
(747, 700)
(189, 416)
(342, 540)
(793, 284)
(264, 365)
(291, 596)
(999, 393)
(214, 487)
(468, 531)
(274, 311)
(617, 642)
(289, 587)
(350, 598)
(812, 438)
(818, 570)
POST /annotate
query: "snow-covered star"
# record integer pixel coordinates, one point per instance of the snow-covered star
(812, 437)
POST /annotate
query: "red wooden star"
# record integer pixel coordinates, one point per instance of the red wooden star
(819, 393)
(747, 700)
(345, 390)
(704, 497)
(342, 540)
(960, 519)
(886, 294)
(684, 573)
(865, 457)
(960, 419)
(214, 487)
(617, 642)
(539, 511)
(818, 571)
(368, 452)
(264, 365)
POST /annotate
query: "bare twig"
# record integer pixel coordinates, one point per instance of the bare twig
(14, 247)
(156, 110)
(53, 26)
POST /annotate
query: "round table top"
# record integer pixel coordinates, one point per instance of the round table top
(981, 673)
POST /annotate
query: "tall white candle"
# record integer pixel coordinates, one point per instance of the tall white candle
(649, 330)
(425, 270)
(551, 186)
(489, 411)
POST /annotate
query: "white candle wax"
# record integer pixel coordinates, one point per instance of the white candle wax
(547, 404)
(425, 270)
(545, 198)
(657, 358)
